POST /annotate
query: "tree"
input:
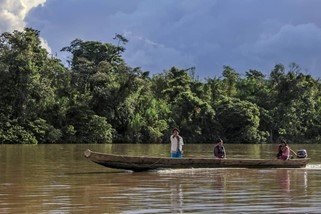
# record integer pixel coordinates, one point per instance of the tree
(239, 121)
(177, 81)
(27, 89)
(230, 80)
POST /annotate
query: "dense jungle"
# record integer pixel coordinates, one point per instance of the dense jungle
(96, 97)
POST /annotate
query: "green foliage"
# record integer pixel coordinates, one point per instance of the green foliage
(239, 121)
(99, 130)
(100, 99)
(230, 79)
(13, 133)
(93, 52)
(195, 117)
(176, 82)
(44, 132)
(84, 126)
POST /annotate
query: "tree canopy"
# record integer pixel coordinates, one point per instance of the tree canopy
(98, 98)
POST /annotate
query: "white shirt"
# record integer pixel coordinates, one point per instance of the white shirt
(174, 143)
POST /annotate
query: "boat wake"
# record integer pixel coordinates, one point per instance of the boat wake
(202, 170)
(313, 166)
(190, 170)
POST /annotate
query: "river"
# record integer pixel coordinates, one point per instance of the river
(57, 179)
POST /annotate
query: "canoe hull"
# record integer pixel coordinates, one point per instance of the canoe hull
(141, 163)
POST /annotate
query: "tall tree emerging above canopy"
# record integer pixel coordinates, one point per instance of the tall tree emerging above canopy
(28, 79)
(177, 81)
(231, 78)
(121, 39)
(94, 52)
(22, 58)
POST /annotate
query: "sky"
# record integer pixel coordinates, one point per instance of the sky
(205, 34)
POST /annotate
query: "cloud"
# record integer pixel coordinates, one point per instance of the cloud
(13, 13)
(300, 44)
(207, 34)
(291, 40)
(155, 56)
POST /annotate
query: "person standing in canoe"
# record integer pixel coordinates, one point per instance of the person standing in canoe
(176, 144)
(219, 150)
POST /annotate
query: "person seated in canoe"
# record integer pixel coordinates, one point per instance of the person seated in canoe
(219, 150)
(176, 144)
(279, 154)
(284, 151)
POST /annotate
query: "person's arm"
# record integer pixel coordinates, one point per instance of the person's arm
(224, 152)
(181, 143)
(293, 152)
(181, 140)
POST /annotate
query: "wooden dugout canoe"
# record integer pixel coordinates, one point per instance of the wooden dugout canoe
(144, 163)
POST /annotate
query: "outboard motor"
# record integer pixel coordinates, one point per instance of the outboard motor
(302, 153)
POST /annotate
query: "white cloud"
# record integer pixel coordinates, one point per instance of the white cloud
(45, 45)
(13, 13)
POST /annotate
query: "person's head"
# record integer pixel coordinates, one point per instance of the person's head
(219, 141)
(283, 142)
(175, 131)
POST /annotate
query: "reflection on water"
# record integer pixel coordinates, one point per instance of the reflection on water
(246, 190)
(284, 180)
(35, 179)
(176, 196)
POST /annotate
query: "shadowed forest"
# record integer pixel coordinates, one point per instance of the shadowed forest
(98, 98)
